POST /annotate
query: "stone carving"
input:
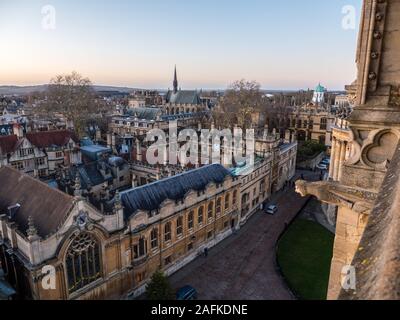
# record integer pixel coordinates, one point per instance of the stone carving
(355, 148)
(333, 193)
(379, 148)
(83, 222)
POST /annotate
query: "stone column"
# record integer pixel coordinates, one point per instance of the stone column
(342, 158)
(333, 152)
(337, 160)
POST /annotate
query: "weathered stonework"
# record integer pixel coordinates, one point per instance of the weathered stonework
(374, 125)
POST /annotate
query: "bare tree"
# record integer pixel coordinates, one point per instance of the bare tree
(242, 99)
(73, 97)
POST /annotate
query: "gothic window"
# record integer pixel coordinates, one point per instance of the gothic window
(167, 232)
(83, 262)
(154, 238)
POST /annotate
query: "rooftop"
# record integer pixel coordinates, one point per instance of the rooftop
(46, 139)
(151, 196)
(48, 207)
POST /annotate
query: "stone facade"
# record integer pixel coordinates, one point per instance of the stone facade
(127, 248)
(374, 135)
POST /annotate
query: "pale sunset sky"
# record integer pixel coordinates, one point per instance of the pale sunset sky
(285, 44)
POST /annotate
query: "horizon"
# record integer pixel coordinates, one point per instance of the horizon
(282, 46)
(166, 89)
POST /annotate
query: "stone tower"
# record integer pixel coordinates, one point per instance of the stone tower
(375, 134)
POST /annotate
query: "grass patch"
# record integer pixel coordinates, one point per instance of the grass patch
(304, 255)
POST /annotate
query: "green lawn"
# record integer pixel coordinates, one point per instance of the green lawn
(304, 255)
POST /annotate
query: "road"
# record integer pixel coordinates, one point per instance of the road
(243, 267)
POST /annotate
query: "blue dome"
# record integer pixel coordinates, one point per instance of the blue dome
(320, 88)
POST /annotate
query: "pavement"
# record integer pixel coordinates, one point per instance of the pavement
(243, 267)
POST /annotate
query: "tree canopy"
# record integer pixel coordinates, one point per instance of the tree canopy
(240, 101)
(159, 287)
(73, 97)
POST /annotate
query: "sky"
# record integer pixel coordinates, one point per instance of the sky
(285, 44)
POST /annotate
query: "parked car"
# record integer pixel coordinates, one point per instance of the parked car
(271, 209)
(186, 293)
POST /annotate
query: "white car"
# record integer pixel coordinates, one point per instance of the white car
(272, 209)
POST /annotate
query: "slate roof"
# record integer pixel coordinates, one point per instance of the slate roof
(145, 113)
(8, 144)
(48, 207)
(46, 139)
(89, 174)
(149, 197)
(183, 97)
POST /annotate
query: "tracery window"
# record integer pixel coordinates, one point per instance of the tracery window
(83, 262)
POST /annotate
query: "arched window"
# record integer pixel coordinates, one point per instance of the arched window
(179, 226)
(167, 232)
(82, 262)
(218, 208)
(191, 220)
(234, 200)
(210, 210)
(140, 249)
(200, 215)
(154, 238)
(227, 199)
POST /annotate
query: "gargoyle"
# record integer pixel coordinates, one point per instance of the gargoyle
(361, 201)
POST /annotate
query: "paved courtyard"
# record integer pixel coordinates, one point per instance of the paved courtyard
(243, 267)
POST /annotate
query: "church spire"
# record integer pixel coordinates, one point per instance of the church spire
(175, 81)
